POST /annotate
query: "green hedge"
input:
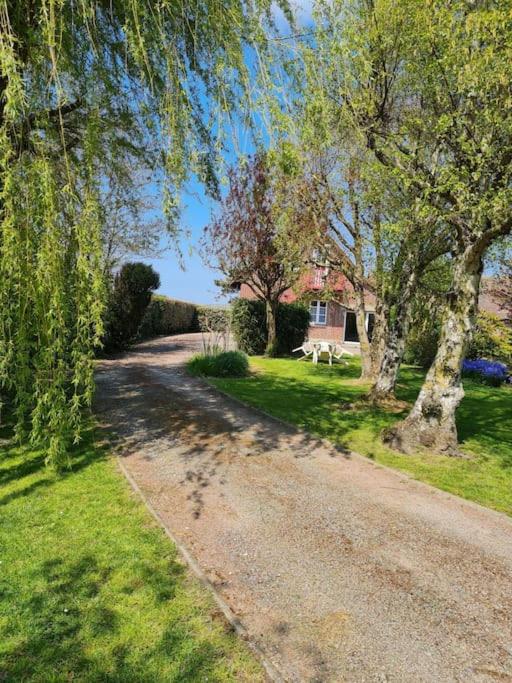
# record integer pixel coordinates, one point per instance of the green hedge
(168, 316)
(250, 328)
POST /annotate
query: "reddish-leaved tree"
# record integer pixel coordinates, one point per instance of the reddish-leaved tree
(249, 240)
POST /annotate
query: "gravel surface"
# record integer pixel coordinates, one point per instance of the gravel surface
(340, 570)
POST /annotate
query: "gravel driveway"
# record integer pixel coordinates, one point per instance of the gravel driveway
(338, 569)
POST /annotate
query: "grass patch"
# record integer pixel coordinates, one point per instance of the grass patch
(91, 589)
(225, 364)
(312, 398)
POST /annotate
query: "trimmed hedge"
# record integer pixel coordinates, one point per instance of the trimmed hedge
(168, 316)
(250, 328)
(226, 364)
(128, 303)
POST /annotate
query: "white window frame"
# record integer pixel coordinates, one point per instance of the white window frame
(315, 318)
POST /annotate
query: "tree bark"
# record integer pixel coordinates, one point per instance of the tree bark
(271, 314)
(379, 336)
(393, 342)
(359, 285)
(391, 357)
(431, 422)
(364, 342)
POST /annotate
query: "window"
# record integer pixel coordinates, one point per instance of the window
(318, 312)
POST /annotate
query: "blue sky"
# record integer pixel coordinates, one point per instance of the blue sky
(196, 282)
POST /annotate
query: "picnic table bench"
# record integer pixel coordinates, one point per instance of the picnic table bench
(320, 349)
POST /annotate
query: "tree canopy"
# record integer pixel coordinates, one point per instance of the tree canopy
(88, 91)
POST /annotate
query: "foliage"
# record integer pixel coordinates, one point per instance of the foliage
(90, 92)
(248, 321)
(249, 326)
(292, 327)
(310, 396)
(489, 372)
(225, 364)
(422, 342)
(168, 316)
(213, 318)
(250, 241)
(102, 595)
(130, 298)
(426, 314)
(132, 221)
(491, 339)
(422, 89)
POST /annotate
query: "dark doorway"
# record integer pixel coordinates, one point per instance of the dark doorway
(351, 327)
(351, 334)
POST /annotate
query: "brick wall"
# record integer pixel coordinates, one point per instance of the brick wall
(333, 330)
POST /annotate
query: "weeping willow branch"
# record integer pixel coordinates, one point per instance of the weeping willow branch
(88, 89)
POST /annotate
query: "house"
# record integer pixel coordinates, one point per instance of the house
(489, 302)
(331, 305)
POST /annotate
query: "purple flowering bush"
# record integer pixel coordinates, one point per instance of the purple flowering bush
(486, 371)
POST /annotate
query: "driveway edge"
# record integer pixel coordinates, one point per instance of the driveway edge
(270, 669)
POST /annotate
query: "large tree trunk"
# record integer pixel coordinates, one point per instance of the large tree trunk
(364, 342)
(392, 356)
(431, 422)
(271, 311)
(393, 342)
(379, 336)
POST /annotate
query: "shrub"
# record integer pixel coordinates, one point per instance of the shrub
(129, 300)
(492, 339)
(485, 371)
(250, 328)
(168, 316)
(226, 364)
(292, 327)
(421, 345)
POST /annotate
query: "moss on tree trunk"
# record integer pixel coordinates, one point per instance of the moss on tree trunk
(431, 422)
(364, 343)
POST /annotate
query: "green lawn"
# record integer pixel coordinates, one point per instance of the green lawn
(92, 590)
(312, 398)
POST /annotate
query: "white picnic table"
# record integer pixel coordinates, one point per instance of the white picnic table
(318, 348)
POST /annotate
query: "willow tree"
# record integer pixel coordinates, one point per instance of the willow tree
(86, 88)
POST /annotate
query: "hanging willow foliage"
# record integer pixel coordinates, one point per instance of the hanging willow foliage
(86, 88)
